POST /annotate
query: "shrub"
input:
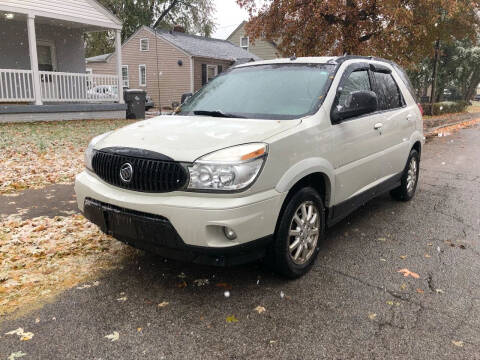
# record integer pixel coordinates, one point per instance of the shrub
(444, 107)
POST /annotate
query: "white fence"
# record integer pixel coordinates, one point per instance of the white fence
(17, 86)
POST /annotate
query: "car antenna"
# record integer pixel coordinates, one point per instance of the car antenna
(294, 57)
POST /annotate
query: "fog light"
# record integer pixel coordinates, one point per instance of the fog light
(229, 233)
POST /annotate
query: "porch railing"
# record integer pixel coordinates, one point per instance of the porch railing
(17, 86)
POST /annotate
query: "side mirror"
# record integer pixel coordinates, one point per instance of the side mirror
(185, 97)
(357, 103)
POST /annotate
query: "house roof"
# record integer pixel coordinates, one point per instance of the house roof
(200, 46)
(242, 24)
(98, 58)
(88, 14)
(193, 45)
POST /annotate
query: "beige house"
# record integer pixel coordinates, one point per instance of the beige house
(263, 48)
(168, 64)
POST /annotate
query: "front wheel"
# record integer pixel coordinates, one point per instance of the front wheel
(299, 232)
(408, 186)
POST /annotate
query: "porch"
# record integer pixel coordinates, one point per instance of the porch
(42, 63)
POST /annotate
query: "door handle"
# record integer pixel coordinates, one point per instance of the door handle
(378, 126)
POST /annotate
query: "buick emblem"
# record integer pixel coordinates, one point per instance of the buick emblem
(126, 172)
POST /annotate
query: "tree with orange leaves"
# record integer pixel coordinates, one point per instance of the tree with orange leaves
(401, 30)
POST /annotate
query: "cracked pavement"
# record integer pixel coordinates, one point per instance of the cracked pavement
(353, 304)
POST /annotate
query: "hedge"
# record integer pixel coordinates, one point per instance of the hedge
(444, 107)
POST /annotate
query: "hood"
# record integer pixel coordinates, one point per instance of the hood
(186, 138)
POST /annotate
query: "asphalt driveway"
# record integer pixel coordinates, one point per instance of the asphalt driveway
(354, 304)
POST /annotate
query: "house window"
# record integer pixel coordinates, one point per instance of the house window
(125, 80)
(144, 45)
(244, 42)
(46, 56)
(89, 71)
(211, 72)
(142, 75)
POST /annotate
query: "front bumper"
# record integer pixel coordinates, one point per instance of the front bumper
(196, 219)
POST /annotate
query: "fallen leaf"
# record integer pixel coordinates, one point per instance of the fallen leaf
(139, 329)
(24, 336)
(403, 286)
(372, 316)
(382, 239)
(381, 259)
(458, 343)
(122, 299)
(260, 309)
(201, 282)
(427, 256)
(407, 273)
(439, 291)
(462, 247)
(182, 285)
(430, 244)
(163, 304)
(16, 355)
(113, 337)
(85, 286)
(389, 302)
(37, 320)
(231, 319)
(420, 291)
(403, 257)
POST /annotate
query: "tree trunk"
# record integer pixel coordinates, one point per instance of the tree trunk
(434, 75)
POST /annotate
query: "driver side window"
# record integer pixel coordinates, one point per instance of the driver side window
(356, 81)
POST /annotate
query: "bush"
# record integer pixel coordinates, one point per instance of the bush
(444, 107)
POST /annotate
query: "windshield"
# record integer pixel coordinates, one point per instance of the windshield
(280, 91)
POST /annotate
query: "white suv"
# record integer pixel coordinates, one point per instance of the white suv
(258, 162)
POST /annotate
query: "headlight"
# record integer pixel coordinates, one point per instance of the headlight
(230, 169)
(91, 151)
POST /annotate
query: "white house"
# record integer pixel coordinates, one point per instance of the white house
(42, 61)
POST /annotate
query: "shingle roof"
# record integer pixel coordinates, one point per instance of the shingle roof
(206, 47)
(98, 58)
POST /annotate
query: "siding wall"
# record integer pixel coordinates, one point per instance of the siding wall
(261, 48)
(69, 46)
(174, 79)
(83, 11)
(198, 68)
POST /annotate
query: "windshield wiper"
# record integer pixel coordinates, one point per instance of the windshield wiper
(216, 113)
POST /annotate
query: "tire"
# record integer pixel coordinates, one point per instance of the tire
(406, 191)
(298, 261)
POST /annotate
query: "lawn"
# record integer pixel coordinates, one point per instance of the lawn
(33, 155)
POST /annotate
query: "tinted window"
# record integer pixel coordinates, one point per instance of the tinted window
(357, 80)
(388, 94)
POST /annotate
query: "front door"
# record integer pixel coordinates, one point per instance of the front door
(357, 142)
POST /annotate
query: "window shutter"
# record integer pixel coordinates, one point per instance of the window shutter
(204, 74)
(220, 69)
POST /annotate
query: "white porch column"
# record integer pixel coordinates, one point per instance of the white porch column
(32, 46)
(118, 52)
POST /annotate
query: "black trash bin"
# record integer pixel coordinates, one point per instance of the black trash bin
(135, 100)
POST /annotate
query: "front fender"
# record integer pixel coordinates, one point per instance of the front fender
(307, 167)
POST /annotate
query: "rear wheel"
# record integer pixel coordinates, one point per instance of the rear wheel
(408, 186)
(299, 233)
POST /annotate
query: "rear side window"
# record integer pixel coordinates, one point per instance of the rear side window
(356, 81)
(388, 93)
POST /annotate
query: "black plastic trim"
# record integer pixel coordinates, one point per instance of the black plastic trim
(156, 234)
(338, 212)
